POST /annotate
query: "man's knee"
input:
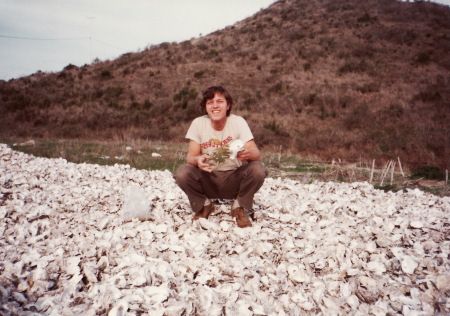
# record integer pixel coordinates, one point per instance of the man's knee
(183, 173)
(258, 170)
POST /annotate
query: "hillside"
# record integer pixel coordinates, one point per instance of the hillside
(333, 79)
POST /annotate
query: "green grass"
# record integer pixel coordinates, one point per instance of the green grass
(174, 154)
(293, 165)
(140, 155)
(305, 168)
(110, 153)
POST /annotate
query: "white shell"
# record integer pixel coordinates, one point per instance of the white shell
(408, 264)
(318, 248)
(235, 147)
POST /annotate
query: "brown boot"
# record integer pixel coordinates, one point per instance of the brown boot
(204, 212)
(242, 218)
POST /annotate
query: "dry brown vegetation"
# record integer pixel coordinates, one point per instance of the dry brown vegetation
(328, 78)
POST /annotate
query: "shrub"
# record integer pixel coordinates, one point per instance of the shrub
(62, 75)
(277, 88)
(366, 18)
(368, 87)
(164, 45)
(202, 46)
(135, 105)
(18, 102)
(352, 66)
(296, 36)
(273, 126)
(357, 118)
(147, 104)
(70, 67)
(70, 131)
(323, 114)
(199, 74)
(106, 74)
(113, 92)
(428, 172)
(430, 95)
(423, 58)
(184, 96)
(211, 53)
(394, 111)
(114, 105)
(363, 51)
(248, 101)
(307, 66)
(310, 98)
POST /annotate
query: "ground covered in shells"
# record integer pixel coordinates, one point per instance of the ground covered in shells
(68, 248)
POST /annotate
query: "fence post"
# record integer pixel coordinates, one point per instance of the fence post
(385, 171)
(371, 173)
(392, 172)
(400, 166)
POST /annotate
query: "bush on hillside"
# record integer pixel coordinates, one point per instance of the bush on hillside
(428, 173)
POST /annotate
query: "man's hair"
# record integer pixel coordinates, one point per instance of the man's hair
(209, 94)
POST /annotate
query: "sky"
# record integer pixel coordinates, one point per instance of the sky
(47, 35)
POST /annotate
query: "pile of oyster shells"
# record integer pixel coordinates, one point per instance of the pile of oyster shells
(322, 248)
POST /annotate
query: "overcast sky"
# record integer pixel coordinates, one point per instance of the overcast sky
(48, 35)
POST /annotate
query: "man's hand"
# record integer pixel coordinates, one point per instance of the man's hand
(243, 155)
(194, 157)
(202, 163)
(250, 152)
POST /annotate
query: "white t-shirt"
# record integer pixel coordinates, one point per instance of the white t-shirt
(215, 143)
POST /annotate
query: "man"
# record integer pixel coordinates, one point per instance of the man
(210, 173)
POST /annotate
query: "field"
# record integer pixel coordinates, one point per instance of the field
(148, 155)
(379, 92)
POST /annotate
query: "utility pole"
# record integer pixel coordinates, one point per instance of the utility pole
(90, 18)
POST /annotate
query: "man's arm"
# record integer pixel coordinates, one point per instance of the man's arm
(194, 157)
(250, 152)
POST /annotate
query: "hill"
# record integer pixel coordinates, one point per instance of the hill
(333, 79)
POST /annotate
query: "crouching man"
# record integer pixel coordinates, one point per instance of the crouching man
(212, 171)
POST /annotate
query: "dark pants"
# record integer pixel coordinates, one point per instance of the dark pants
(240, 184)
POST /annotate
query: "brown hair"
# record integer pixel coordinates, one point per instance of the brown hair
(209, 94)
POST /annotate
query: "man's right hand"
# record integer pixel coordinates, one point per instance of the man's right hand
(202, 163)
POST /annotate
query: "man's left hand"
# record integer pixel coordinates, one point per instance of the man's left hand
(244, 155)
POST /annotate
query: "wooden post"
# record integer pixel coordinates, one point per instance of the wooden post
(382, 173)
(385, 171)
(392, 172)
(400, 166)
(371, 173)
(279, 154)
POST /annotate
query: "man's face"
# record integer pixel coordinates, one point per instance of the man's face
(217, 107)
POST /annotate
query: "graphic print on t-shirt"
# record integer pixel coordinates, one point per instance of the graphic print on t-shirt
(210, 140)
(218, 150)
